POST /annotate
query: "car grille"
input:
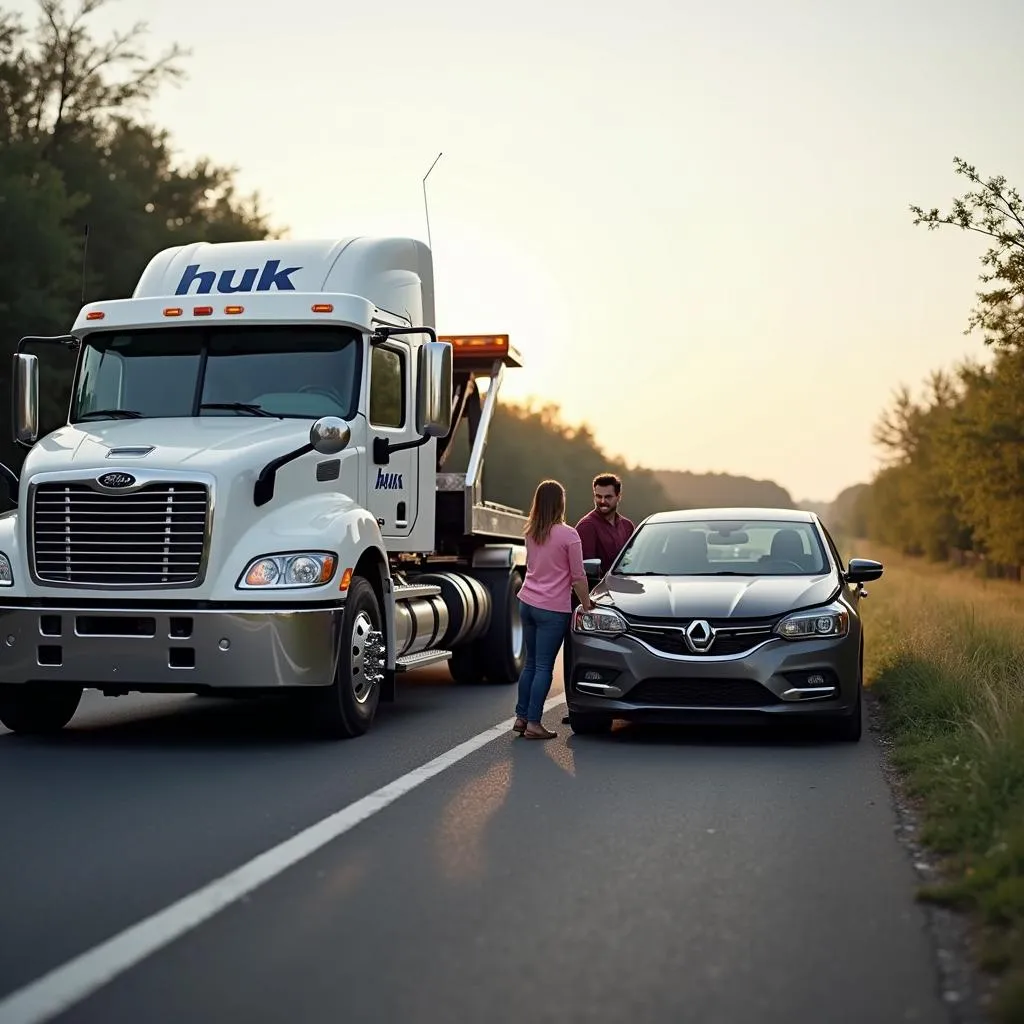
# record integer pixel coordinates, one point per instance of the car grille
(701, 693)
(153, 536)
(732, 638)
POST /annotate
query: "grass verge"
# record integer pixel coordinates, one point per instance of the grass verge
(945, 655)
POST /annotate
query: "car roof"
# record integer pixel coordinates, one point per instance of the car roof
(689, 515)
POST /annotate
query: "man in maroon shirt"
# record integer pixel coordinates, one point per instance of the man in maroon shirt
(603, 530)
(604, 533)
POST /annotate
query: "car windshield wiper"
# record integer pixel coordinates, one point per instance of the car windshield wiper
(249, 407)
(111, 414)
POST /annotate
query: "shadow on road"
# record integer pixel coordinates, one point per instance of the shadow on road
(179, 721)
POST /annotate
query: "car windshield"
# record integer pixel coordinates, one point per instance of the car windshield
(287, 371)
(733, 548)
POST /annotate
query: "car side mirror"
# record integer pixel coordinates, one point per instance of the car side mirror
(863, 570)
(434, 389)
(25, 398)
(592, 567)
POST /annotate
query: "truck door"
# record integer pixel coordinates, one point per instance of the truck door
(392, 489)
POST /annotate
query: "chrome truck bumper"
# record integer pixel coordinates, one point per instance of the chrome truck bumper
(181, 650)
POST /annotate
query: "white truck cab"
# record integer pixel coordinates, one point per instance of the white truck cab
(250, 493)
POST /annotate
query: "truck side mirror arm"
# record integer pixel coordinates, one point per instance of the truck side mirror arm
(11, 479)
(328, 436)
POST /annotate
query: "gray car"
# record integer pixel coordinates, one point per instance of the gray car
(723, 615)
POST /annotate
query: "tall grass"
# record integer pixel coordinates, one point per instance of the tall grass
(945, 654)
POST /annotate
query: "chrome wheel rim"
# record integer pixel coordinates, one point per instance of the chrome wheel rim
(366, 666)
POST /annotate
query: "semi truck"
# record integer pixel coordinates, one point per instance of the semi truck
(254, 491)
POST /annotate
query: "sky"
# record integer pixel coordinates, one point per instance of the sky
(692, 218)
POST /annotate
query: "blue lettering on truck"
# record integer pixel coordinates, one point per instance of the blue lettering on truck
(388, 481)
(231, 281)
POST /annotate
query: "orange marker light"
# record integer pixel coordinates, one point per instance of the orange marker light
(202, 310)
(172, 311)
(477, 344)
(346, 580)
(323, 307)
(234, 309)
(95, 315)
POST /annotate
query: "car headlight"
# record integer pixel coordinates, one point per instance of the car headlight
(820, 624)
(603, 621)
(293, 570)
(6, 572)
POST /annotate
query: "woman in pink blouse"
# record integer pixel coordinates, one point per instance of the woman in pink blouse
(554, 568)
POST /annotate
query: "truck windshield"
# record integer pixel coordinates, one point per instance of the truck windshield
(301, 372)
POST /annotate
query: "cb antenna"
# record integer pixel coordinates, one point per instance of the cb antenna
(85, 259)
(426, 208)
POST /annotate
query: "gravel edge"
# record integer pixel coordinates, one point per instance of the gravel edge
(967, 991)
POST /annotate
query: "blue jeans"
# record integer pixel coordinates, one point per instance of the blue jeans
(543, 632)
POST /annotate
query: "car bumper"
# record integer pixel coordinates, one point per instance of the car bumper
(189, 650)
(624, 678)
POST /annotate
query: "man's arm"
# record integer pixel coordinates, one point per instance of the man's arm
(588, 538)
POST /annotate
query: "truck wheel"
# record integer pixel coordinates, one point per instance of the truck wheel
(502, 649)
(464, 665)
(347, 708)
(38, 710)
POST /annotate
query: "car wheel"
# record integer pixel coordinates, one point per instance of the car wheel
(850, 728)
(590, 724)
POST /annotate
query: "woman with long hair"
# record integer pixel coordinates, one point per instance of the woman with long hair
(554, 568)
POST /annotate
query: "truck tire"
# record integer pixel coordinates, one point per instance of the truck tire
(502, 649)
(464, 665)
(346, 709)
(38, 710)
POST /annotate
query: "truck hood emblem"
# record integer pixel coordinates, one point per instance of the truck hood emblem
(116, 480)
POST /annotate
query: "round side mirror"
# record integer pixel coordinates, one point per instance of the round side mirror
(329, 435)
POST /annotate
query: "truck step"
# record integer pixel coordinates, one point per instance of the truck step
(408, 591)
(420, 659)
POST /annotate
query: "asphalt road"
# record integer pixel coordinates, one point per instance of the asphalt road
(649, 876)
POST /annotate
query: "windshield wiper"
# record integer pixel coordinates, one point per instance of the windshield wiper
(111, 414)
(249, 407)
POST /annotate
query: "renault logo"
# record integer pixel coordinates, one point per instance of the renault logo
(699, 636)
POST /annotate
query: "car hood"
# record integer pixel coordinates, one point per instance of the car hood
(714, 597)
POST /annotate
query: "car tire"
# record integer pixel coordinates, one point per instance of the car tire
(590, 724)
(850, 728)
(38, 710)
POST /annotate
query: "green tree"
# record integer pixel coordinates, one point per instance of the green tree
(995, 210)
(90, 190)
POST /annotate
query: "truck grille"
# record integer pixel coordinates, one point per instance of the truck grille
(153, 536)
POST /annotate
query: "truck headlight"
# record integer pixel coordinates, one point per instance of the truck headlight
(6, 572)
(821, 624)
(600, 621)
(292, 570)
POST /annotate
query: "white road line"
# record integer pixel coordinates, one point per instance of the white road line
(61, 988)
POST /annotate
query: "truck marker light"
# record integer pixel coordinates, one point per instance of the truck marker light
(95, 315)
(478, 344)
(323, 307)
(346, 580)
(172, 311)
(234, 309)
(202, 310)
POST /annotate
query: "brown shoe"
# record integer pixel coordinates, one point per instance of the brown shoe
(520, 726)
(536, 731)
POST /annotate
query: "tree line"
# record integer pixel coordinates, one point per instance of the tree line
(952, 481)
(90, 190)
